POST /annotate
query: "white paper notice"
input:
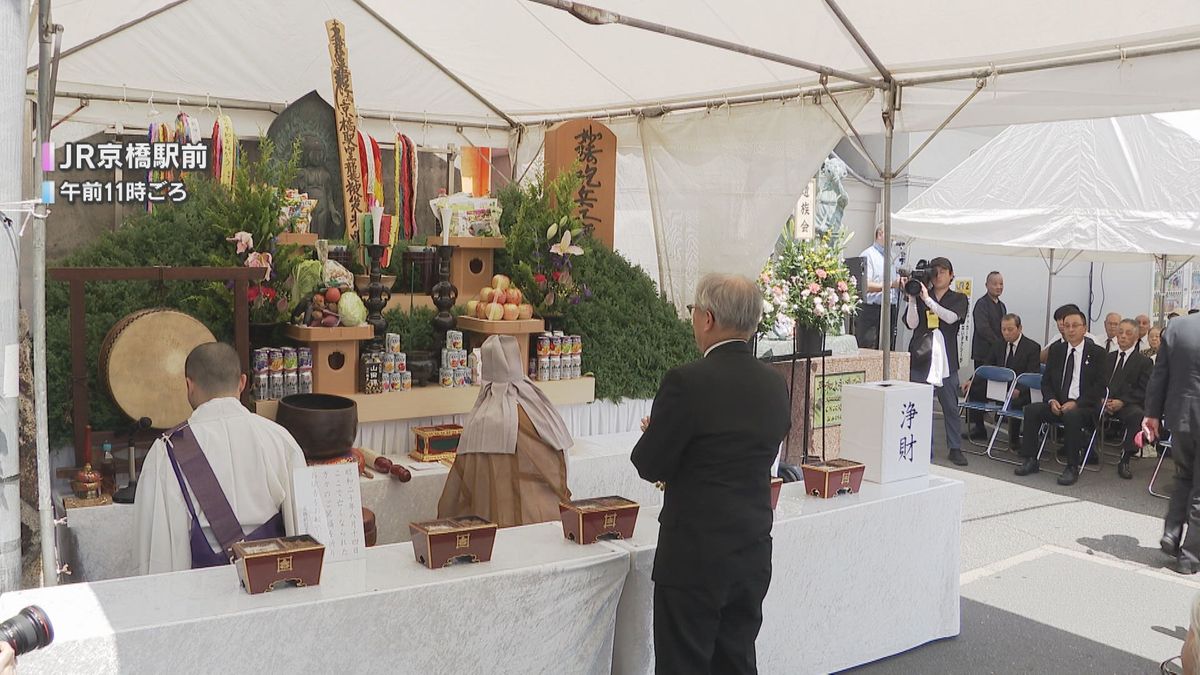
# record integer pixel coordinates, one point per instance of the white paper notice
(10, 385)
(996, 390)
(329, 509)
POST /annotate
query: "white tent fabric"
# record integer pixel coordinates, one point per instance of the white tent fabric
(723, 183)
(1114, 188)
(529, 61)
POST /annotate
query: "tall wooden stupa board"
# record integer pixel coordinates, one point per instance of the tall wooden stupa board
(594, 147)
(346, 116)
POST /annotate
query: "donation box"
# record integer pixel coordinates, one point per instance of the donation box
(889, 427)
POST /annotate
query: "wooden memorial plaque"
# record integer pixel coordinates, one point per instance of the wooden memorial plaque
(587, 521)
(438, 543)
(594, 147)
(346, 118)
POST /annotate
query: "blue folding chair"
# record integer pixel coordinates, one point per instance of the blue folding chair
(1164, 447)
(1091, 442)
(1030, 381)
(990, 406)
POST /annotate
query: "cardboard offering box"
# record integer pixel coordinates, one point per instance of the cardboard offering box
(263, 564)
(433, 444)
(438, 543)
(776, 487)
(835, 477)
(587, 521)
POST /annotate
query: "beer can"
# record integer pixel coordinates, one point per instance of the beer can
(262, 360)
(304, 381)
(576, 344)
(401, 362)
(276, 384)
(289, 358)
(304, 357)
(385, 382)
(446, 375)
(262, 386)
(555, 345)
(405, 381)
(392, 340)
(291, 383)
(389, 362)
(555, 373)
(454, 339)
(460, 377)
(543, 345)
(276, 360)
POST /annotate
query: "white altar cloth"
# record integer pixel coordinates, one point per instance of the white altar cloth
(97, 541)
(855, 578)
(542, 604)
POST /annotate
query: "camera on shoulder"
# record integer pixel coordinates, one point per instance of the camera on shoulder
(921, 275)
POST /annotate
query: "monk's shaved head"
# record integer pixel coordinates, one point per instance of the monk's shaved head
(214, 369)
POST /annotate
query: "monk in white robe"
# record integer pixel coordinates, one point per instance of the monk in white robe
(251, 457)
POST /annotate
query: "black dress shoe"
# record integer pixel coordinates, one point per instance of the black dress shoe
(1069, 475)
(1186, 567)
(1169, 544)
(1123, 470)
(956, 457)
(1030, 465)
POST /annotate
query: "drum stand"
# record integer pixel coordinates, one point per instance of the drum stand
(126, 494)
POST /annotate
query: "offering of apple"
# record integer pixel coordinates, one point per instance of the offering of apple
(500, 302)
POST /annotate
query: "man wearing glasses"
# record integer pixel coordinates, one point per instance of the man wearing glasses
(1072, 388)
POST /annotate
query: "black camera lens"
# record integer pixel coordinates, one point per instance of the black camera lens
(30, 629)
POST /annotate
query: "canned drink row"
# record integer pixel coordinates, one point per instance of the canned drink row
(455, 377)
(395, 362)
(557, 344)
(396, 381)
(555, 368)
(276, 360)
(274, 385)
(454, 358)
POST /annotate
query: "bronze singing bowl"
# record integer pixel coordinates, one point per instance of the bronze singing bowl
(323, 425)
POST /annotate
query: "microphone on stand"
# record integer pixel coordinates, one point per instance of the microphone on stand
(126, 494)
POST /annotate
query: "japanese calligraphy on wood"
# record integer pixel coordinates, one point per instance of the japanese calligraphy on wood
(592, 148)
(346, 116)
(827, 410)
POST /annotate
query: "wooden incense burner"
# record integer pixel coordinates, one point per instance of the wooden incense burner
(832, 478)
(438, 543)
(587, 521)
(264, 564)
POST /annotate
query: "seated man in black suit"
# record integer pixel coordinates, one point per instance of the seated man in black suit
(713, 434)
(1017, 353)
(1072, 389)
(1128, 374)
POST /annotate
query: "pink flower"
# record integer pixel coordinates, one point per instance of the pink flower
(814, 288)
(244, 240)
(821, 274)
(841, 286)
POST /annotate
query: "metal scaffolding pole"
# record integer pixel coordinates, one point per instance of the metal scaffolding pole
(885, 312)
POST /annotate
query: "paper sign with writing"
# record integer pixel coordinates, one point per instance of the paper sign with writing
(591, 148)
(806, 212)
(827, 410)
(328, 507)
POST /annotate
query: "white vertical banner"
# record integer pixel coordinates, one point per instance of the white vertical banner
(966, 285)
(806, 206)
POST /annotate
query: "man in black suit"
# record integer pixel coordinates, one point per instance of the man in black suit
(1128, 374)
(1174, 397)
(712, 436)
(1020, 355)
(1072, 389)
(987, 316)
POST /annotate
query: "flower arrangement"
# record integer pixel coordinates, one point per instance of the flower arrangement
(805, 283)
(543, 237)
(267, 304)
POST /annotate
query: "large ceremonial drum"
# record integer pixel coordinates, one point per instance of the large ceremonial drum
(141, 361)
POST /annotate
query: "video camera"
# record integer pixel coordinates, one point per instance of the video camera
(921, 275)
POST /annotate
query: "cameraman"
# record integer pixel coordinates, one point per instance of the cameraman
(933, 348)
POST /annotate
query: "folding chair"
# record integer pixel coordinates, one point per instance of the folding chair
(1091, 442)
(988, 374)
(1164, 446)
(1030, 381)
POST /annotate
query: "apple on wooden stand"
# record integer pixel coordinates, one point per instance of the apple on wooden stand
(500, 302)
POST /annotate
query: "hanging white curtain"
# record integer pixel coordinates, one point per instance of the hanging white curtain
(722, 183)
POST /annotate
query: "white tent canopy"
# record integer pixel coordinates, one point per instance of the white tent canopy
(1108, 189)
(492, 62)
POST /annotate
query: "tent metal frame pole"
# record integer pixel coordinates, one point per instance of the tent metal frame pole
(45, 113)
(858, 143)
(598, 17)
(1049, 292)
(979, 85)
(119, 29)
(860, 41)
(885, 312)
